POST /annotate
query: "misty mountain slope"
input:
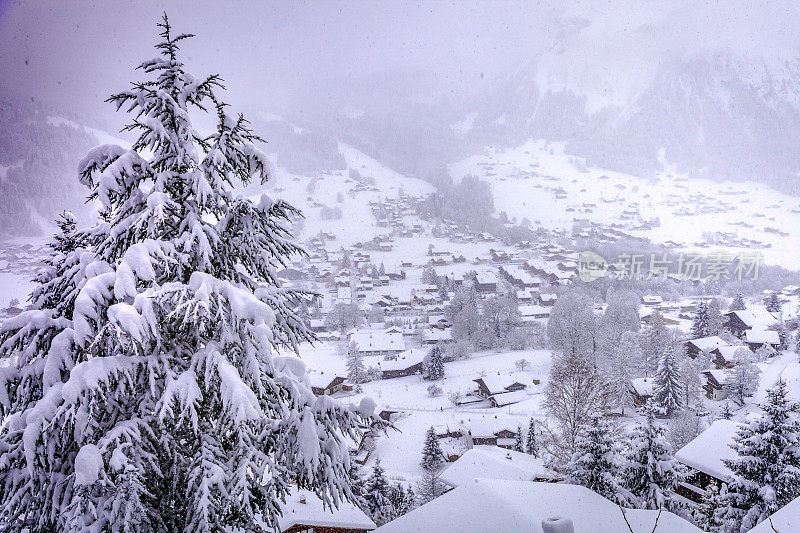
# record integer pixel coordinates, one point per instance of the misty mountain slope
(344, 194)
(554, 190)
(716, 116)
(38, 168)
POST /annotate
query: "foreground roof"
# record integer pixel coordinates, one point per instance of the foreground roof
(492, 506)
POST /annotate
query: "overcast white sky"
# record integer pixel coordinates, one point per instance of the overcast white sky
(78, 52)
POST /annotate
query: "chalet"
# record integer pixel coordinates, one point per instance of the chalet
(377, 342)
(508, 398)
(651, 300)
(703, 344)
(714, 384)
(705, 458)
(303, 512)
(436, 336)
(491, 433)
(524, 296)
(532, 313)
(323, 384)
(438, 321)
(724, 356)
(548, 300)
(406, 363)
(642, 390)
(493, 384)
(485, 282)
(737, 322)
(317, 325)
(756, 338)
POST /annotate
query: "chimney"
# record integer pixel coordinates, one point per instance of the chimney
(557, 524)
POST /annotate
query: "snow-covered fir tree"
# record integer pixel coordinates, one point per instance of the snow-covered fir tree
(620, 370)
(700, 323)
(773, 303)
(726, 413)
(655, 340)
(519, 440)
(595, 464)
(650, 473)
(432, 456)
(715, 319)
(430, 486)
(737, 304)
(356, 483)
(708, 514)
(532, 444)
(667, 386)
(403, 500)
(376, 496)
(784, 337)
(741, 381)
(435, 369)
(356, 371)
(144, 388)
(766, 473)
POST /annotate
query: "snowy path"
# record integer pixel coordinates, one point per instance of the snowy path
(770, 375)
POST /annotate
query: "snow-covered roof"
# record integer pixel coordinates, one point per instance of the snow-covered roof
(305, 508)
(492, 505)
(707, 451)
(437, 335)
(643, 386)
(755, 317)
(492, 462)
(378, 341)
(706, 344)
(497, 382)
(489, 426)
(533, 310)
(507, 398)
(322, 379)
(404, 360)
(728, 352)
(760, 336)
(787, 518)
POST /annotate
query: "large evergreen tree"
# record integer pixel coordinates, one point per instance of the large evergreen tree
(519, 441)
(143, 392)
(737, 304)
(432, 456)
(773, 302)
(356, 371)
(595, 464)
(766, 473)
(700, 322)
(435, 368)
(650, 472)
(741, 381)
(708, 515)
(531, 445)
(376, 496)
(655, 340)
(667, 387)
